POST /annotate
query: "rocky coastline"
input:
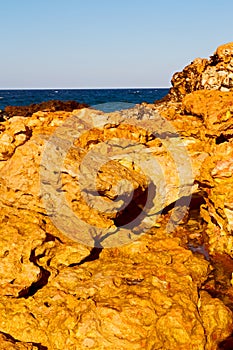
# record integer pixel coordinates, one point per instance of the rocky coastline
(48, 106)
(163, 282)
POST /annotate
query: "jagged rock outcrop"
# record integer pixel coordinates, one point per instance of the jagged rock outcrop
(213, 74)
(87, 259)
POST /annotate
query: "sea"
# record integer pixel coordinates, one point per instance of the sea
(107, 100)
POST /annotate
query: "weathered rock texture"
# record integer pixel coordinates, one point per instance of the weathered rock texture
(144, 291)
(217, 183)
(9, 343)
(213, 74)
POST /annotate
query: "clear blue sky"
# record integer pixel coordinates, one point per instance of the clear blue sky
(106, 43)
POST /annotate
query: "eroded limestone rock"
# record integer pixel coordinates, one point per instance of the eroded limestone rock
(145, 291)
(143, 295)
(126, 156)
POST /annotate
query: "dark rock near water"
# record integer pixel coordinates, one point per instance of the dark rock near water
(49, 106)
(3, 115)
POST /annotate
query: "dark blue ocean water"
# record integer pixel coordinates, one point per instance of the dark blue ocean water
(105, 99)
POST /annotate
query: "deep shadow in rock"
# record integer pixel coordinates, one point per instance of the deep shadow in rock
(226, 344)
(43, 280)
(220, 139)
(94, 255)
(136, 211)
(13, 340)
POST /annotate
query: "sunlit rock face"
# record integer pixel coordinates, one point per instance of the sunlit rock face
(213, 74)
(217, 183)
(92, 253)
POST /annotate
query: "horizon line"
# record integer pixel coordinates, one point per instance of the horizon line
(86, 88)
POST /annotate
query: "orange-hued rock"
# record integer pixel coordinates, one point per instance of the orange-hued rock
(215, 108)
(224, 53)
(126, 157)
(144, 294)
(141, 295)
(87, 260)
(213, 74)
(8, 343)
(216, 179)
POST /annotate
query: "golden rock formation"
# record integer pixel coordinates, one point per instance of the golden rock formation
(92, 253)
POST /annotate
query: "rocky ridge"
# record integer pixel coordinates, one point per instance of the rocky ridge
(155, 285)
